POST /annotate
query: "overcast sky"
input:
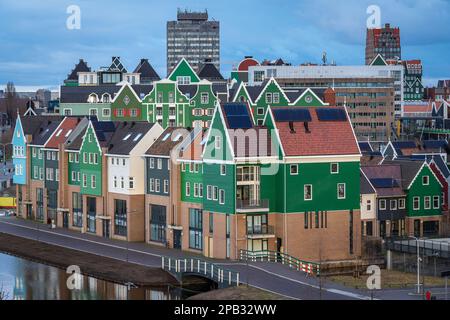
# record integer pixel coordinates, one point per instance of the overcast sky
(36, 48)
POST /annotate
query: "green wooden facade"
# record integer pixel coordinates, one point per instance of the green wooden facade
(91, 164)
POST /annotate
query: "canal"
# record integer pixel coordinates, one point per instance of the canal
(21, 279)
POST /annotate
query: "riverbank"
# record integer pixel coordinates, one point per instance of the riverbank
(90, 265)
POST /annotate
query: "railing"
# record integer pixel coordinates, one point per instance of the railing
(243, 205)
(223, 277)
(278, 257)
(427, 247)
(263, 229)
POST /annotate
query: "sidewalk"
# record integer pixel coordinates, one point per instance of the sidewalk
(272, 277)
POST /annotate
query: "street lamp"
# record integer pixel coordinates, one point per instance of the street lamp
(418, 264)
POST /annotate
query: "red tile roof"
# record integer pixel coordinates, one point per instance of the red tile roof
(412, 108)
(59, 136)
(324, 138)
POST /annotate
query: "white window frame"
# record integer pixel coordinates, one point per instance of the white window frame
(425, 207)
(188, 189)
(166, 186)
(438, 198)
(401, 203)
(337, 167)
(296, 169)
(393, 207)
(345, 191)
(305, 186)
(418, 203)
(382, 204)
(223, 170)
(428, 180)
(217, 142)
(152, 184)
(221, 196)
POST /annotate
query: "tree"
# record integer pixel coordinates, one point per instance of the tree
(3, 293)
(11, 101)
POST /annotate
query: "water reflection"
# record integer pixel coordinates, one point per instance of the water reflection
(21, 279)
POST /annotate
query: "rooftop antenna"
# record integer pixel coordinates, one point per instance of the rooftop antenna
(324, 58)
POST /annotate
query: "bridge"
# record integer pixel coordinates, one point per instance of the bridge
(180, 268)
(279, 257)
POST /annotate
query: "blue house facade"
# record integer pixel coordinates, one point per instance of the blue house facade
(19, 154)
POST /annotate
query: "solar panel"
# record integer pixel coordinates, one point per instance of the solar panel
(404, 144)
(365, 146)
(384, 183)
(331, 114)
(292, 114)
(237, 116)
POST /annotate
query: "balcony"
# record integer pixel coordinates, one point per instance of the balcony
(260, 231)
(244, 206)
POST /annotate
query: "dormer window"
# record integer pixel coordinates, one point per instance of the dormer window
(106, 98)
(93, 98)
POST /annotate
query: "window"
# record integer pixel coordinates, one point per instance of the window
(268, 97)
(209, 192)
(427, 202)
(93, 182)
(204, 99)
(67, 112)
(120, 217)
(183, 79)
(200, 190)
(368, 205)
(260, 111)
(294, 169)
(35, 172)
(215, 193)
(56, 174)
(307, 189)
(334, 168)
(157, 185)
(84, 181)
(382, 204)
(183, 167)
(341, 190)
(425, 180)
(152, 163)
(217, 142)
(401, 203)
(133, 112)
(276, 97)
(95, 158)
(306, 218)
(131, 182)
(222, 196)
(195, 229)
(436, 202)
(166, 186)
(33, 150)
(93, 112)
(416, 203)
(152, 185)
(258, 76)
(188, 189)
(115, 181)
(158, 223)
(106, 112)
(211, 223)
(41, 173)
(77, 209)
(393, 204)
(159, 162)
(223, 170)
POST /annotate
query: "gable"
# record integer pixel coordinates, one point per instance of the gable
(126, 99)
(183, 69)
(92, 146)
(19, 136)
(307, 99)
(272, 87)
(378, 61)
(218, 128)
(242, 93)
(425, 170)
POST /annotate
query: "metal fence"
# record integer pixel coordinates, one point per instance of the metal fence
(427, 247)
(278, 257)
(180, 267)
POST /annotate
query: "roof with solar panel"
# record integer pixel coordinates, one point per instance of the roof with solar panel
(247, 139)
(169, 139)
(386, 179)
(310, 131)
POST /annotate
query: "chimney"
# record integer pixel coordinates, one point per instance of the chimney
(291, 126)
(305, 124)
(329, 96)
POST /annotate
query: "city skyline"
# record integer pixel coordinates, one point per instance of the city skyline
(308, 29)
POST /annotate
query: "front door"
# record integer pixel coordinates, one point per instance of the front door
(416, 228)
(65, 220)
(29, 211)
(177, 239)
(106, 228)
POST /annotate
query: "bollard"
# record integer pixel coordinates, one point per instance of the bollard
(185, 263)
(229, 278)
(169, 264)
(237, 279)
(162, 263)
(192, 265)
(205, 268)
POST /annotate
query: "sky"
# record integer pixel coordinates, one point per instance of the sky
(38, 50)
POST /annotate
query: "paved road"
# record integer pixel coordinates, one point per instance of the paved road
(271, 277)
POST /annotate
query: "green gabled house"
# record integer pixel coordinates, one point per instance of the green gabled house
(291, 185)
(424, 196)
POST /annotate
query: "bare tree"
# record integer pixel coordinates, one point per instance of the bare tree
(11, 101)
(3, 293)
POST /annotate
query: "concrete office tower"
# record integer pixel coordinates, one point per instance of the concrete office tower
(193, 37)
(384, 41)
